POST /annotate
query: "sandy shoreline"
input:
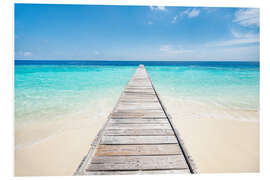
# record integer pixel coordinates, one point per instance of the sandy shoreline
(59, 153)
(219, 140)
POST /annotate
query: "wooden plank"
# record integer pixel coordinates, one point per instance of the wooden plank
(137, 93)
(139, 111)
(139, 90)
(140, 121)
(133, 105)
(126, 90)
(138, 101)
(135, 150)
(138, 140)
(116, 115)
(137, 126)
(136, 117)
(148, 113)
(138, 132)
(137, 172)
(138, 98)
(137, 163)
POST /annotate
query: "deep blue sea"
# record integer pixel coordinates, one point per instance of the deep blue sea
(44, 89)
(136, 63)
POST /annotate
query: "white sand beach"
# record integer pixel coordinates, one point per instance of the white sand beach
(220, 140)
(59, 153)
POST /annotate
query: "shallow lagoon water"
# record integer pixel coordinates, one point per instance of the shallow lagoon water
(60, 107)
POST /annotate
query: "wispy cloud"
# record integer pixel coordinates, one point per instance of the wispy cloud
(175, 19)
(190, 13)
(27, 54)
(96, 52)
(237, 34)
(239, 39)
(158, 8)
(247, 17)
(237, 42)
(209, 9)
(173, 50)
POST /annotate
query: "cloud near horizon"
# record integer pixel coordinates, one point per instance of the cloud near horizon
(173, 50)
(239, 39)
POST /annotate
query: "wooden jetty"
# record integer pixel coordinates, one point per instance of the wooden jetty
(138, 137)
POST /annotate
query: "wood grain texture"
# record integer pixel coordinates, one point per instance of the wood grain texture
(140, 121)
(135, 172)
(137, 163)
(135, 150)
(138, 140)
(138, 132)
(137, 126)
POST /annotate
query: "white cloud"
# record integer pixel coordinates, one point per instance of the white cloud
(237, 42)
(193, 13)
(244, 35)
(245, 53)
(27, 53)
(239, 39)
(158, 8)
(174, 19)
(200, 52)
(190, 12)
(96, 52)
(209, 9)
(247, 17)
(171, 50)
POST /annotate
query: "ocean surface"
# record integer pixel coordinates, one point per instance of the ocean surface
(48, 89)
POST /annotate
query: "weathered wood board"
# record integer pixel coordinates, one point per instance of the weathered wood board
(138, 132)
(138, 138)
(136, 150)
(138, 126)
(140, 121)
(137, 163)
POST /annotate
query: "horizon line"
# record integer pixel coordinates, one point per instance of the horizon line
(138, 60)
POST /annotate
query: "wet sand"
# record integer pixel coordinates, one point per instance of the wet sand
(219, 139)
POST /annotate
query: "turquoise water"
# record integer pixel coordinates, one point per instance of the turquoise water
(45, 91)
(42, 92)
(231, 87)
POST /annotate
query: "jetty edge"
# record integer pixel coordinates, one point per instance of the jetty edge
(139, 136)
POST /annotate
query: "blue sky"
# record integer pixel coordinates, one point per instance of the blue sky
(88, 32)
